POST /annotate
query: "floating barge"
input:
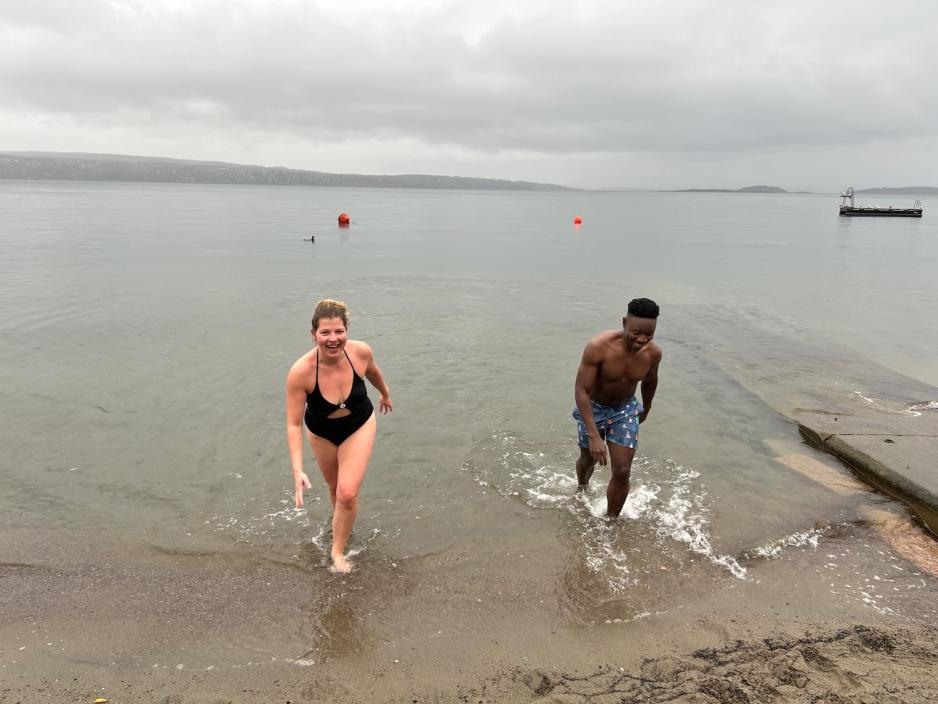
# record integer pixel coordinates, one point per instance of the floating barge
(852, 209)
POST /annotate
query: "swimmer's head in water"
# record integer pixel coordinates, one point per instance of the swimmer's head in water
(327, 308)
(639, 325)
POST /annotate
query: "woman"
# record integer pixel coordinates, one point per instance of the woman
(328, 383)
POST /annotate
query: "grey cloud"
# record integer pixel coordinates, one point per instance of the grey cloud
(562, 79)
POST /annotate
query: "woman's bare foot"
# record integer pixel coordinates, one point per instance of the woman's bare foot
(341, 564)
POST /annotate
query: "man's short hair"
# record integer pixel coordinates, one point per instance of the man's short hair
(643, 308)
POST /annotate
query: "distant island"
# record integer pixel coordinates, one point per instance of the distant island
(747, 189)
(68, 166)
(886, 190)
(905, 191)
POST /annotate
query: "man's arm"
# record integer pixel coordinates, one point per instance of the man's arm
(585, 383)
(649, 385)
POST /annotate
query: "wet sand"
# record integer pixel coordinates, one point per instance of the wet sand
(852, 619)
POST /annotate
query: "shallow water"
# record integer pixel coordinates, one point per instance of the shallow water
(148, 328)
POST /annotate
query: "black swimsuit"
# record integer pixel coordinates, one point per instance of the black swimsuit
(337, 430)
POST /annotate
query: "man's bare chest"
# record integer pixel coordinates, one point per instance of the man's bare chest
(623, 370)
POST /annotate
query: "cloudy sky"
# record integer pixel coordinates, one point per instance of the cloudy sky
(601, 94)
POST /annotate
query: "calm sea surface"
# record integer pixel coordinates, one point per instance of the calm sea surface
(147, 330)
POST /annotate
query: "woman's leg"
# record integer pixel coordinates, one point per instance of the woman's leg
(353, 455)
(327, 457)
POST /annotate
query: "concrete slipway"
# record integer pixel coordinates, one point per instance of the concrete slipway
(896, 452)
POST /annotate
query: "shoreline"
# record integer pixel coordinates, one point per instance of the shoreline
(472, 624)
(743, 642)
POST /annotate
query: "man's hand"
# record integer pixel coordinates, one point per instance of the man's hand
(598, 450)
(643, 415)
(300, 482)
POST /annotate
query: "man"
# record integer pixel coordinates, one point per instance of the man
(607, 412)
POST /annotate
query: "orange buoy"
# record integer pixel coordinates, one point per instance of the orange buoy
(577, 220)
(344, 219)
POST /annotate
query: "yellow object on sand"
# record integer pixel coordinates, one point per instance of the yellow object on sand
(100, 700)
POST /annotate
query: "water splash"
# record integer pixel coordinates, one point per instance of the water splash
(287, 527)
(671, 501)
(799, 539)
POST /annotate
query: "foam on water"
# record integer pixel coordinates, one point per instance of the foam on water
(886, 406)
(265, 527)
(668, 498)
(288, 526)
(798, 539)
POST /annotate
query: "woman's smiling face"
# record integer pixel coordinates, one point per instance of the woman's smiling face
(330, 336)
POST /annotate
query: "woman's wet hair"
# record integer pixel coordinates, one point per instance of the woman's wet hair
(643, 308)
(327, 308)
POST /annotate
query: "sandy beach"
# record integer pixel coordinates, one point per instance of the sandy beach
(759, 653)
(493, 625)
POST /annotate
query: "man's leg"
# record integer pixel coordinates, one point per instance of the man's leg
(584, 467)
(620, 461)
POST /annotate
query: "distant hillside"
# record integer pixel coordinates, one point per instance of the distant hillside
(117, 167)
(762, 189)
(747, 189)
(904, 191)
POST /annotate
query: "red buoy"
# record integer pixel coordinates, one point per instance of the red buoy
(577, 220)
(344, 219)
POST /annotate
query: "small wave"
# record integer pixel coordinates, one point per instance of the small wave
(913, 410)
(799, 539)
(926, 406)
(286, 528)
(272, 525)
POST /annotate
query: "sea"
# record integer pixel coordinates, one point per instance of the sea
(147, 330)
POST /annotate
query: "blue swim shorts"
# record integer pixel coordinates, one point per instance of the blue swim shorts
(618, 424)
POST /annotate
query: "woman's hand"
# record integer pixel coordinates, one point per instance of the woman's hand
(300, 482)
(384, 404)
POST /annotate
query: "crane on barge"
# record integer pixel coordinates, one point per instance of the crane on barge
(852, 209)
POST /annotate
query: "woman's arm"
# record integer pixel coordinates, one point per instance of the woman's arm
(296, 403)
(374, 375)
